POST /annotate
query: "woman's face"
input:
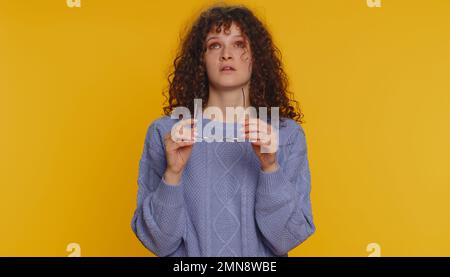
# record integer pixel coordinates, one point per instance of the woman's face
(228, 58)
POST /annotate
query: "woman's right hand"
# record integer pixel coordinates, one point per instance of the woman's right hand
(179, 143)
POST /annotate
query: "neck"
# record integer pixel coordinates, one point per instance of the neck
(228, 98)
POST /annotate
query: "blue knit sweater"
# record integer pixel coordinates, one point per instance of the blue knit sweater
(224, 205)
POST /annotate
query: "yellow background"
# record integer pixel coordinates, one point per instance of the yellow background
(79, 87)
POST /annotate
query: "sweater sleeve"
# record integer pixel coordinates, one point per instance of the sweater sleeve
(283, 206)
(159, 218)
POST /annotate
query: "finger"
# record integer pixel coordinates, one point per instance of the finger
(256, 143)
(259, 143)
(181, 144)
(182, 127)
(175, 137)
(265, 138)
(176, 145)
(249, 125)
(186, 136)
(260, 124)
(251, 121)
(253, 136)
(173, 145)
(185, 123)
(251, 129)
(262, 134)
(265, 147)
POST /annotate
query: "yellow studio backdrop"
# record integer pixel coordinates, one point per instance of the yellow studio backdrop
(79, 87)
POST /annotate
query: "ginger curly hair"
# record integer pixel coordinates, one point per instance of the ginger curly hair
(268, 83)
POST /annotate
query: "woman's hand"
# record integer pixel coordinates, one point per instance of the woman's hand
(264, 140)
(178, 144)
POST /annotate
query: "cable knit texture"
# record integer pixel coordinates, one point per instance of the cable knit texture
(224, 204)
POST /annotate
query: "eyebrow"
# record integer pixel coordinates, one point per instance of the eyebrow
(218, 37)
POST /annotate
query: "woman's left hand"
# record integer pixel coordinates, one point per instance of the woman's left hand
(264, 140)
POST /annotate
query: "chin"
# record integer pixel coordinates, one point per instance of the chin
(229, 84)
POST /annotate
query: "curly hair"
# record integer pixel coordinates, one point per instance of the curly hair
(268, 81)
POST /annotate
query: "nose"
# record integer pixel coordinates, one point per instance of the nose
(225, 57)
(225, 54)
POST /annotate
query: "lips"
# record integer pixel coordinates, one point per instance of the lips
(227, 68)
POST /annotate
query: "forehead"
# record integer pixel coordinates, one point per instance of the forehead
(233, 31)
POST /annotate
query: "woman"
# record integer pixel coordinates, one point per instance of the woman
(199, 198)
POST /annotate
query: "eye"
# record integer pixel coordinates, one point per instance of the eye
(214, 45)
(240, 44)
